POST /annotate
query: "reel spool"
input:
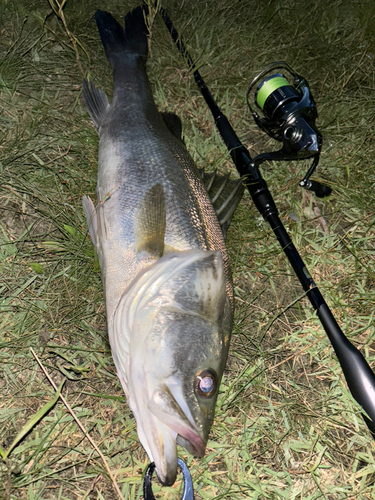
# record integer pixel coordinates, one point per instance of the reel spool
(285, 109)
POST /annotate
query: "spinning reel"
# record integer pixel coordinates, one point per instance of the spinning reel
(287, 112)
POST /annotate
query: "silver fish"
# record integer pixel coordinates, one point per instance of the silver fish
(165, 271)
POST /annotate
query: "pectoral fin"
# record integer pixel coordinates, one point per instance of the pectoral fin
(89, 209)
(150, 223)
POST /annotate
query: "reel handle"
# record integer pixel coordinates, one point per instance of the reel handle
(321, 190)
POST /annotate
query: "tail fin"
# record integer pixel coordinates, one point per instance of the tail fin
(115, 40)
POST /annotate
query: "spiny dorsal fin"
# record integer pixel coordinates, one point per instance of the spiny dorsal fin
(225, 195)
(173, 124)
(150, 224)
(96, 102)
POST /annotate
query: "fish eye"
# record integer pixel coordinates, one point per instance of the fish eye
(206, 383)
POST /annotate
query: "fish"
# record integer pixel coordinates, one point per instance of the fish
(158, 228)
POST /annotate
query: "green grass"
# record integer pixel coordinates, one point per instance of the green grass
(285, 426)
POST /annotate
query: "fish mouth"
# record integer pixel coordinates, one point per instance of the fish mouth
(174, 425)
(191, 441)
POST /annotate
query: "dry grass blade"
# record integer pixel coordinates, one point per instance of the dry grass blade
(32, 422)
(80, 425)
(58, 10)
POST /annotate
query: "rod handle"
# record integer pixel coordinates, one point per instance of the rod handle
(358, 374)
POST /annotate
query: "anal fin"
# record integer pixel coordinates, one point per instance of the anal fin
(96, 102)
(150, 223)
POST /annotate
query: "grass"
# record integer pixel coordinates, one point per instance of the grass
(285, 426)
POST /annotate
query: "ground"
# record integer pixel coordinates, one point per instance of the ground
(286, 425)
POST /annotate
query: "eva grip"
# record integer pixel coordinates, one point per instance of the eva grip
(359, 376)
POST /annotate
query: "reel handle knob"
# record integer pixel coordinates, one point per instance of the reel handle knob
(319, 189)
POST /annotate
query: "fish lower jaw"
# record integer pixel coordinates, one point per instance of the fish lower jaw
(164, 449)
(166, 465)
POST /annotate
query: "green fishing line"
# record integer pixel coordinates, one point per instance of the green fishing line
(268, 87)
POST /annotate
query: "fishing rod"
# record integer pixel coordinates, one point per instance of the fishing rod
(287, 112)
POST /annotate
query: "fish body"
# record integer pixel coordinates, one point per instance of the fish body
(165, 270)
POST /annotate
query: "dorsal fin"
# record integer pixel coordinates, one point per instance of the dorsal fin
(150, 222)
(173, 124)
(225, 195)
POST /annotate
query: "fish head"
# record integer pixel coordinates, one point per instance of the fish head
(178, 318)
